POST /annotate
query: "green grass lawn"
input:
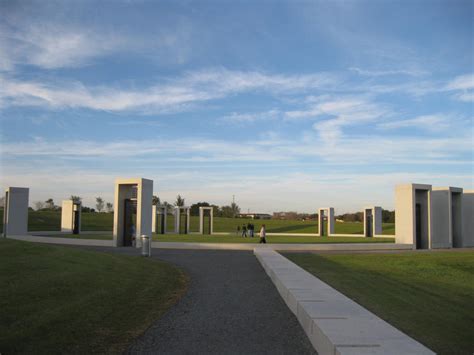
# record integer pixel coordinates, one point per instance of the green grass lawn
(51, 221)
(57, 299)
(429, 296)
(197, 238)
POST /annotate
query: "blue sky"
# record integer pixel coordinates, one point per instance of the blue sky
(286, 105)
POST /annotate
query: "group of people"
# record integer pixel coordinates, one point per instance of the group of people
(248, 230)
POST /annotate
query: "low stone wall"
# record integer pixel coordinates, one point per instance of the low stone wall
(334, 323)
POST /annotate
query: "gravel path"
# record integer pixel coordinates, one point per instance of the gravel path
(231, 307)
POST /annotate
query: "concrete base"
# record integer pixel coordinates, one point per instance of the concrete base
(334, 323)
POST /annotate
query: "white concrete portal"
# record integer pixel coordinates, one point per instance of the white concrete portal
(159, 225)
(413, 219)
(71, 217)
(468, 218)
(446, 208)
(15, 211)
(329, 213)
(179, 227)
(201, 219)
(133, 211)
(372, 221)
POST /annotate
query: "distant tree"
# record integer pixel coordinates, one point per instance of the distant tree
(76, 199)
(179, 201)
(194, 209)
(155, 200)
(226, 211)
(99, 204)
(87, 209)
(109, 207)
(235, 209)
(49, 204)
(39, 205)
(388, 216)
(168, 206)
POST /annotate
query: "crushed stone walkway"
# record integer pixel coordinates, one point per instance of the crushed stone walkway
(231, 307)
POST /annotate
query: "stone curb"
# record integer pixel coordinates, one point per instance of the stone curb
(333, 323)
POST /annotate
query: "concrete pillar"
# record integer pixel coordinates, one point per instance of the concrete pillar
(467, 218)
(159, 210)
(376, 213)
(201, 219)
(407, 198)
(447, 217)
(15, 211)
(70, 215)
(188, 219)
(153, 218)
(177, 218)
(135, 193)
(330, 218)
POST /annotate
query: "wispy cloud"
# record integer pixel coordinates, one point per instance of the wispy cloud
(463, 86)
(171, 94)
(377, 73)
(425, 122)
(268, 149)
(239, 118)
(334, 113)
(55, 46)
(462, 82)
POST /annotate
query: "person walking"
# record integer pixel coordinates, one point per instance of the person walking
(249, 228)
(238, 230)
(252, 230)
(263, 235)
(244, 231)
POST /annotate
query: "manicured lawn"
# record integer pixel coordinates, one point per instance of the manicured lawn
(429, 296)
(64, 300)
(197, 238)
(51, 221)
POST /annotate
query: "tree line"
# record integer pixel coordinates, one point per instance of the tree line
(100, 206)
(231, 211)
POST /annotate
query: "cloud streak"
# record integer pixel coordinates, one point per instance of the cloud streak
(171, 94)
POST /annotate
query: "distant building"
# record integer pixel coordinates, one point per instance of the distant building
(255, 215)
(285, 215)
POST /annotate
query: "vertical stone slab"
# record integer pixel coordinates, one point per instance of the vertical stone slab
(15, 212)
(201, 219)
(125, 189)
(468, 219)
(68, 210)
(406, 199)
(153, 218)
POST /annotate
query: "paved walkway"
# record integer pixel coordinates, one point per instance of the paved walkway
(231, 307)
(222, 246)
